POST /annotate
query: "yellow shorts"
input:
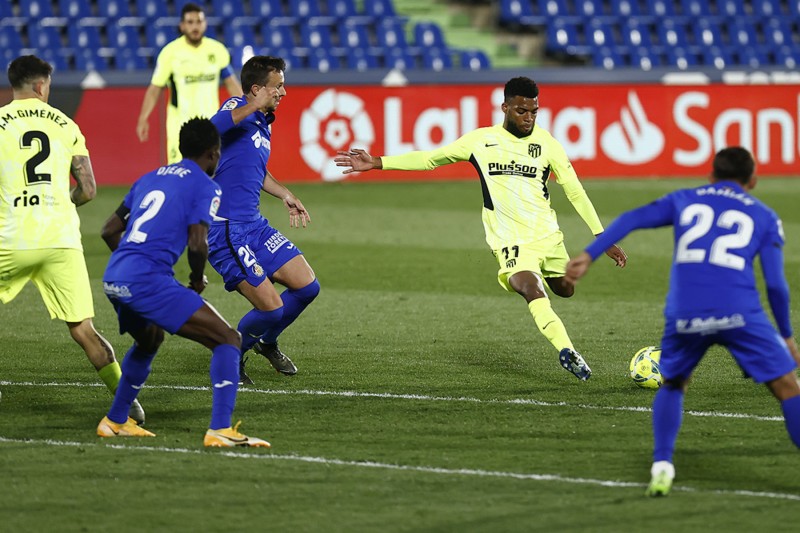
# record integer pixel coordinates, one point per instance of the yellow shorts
(547, 258)
(60, 275)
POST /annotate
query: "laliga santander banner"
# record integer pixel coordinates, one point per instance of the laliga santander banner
(607, 130)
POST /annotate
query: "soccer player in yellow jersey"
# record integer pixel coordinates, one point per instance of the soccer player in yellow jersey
(40, 238)
(515, 161)
(191, 66)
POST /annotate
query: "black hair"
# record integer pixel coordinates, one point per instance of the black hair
(734, 163)
(27, 69)
(191, 8)
(257, 69)
(521, 86)
(197, 136)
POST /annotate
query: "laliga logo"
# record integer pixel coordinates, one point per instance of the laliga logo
(335, 121)
(632, 140)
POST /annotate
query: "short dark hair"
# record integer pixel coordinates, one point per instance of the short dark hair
(257, 69)
(27, 69)
(734, 163)
(197, 136)
(191, 8)
(521, 86)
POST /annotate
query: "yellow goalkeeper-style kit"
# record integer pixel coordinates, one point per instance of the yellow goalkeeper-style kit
(193, 75)
(514, 173)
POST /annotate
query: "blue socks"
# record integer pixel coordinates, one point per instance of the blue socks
(256, 323)
(667, 417)
(224, 374)
(135, 369)
(791, 415)
(294, 303)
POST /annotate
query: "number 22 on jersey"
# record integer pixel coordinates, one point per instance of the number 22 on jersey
(701, 218)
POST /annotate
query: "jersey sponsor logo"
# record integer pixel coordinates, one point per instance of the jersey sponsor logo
(116, 291)
(709, 325)
(275, 241)
(488, 145)
(534, 150)
(512, 169)
(634, 139)
(200, 78)
(212, 58)
(335, 120)
(230, 104)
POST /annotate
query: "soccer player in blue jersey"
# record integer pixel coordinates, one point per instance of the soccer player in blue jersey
(165, 211)
(248, 253)
(712, 299)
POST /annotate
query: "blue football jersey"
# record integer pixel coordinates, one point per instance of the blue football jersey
(243, 166)
(719, 229)
(163, 204)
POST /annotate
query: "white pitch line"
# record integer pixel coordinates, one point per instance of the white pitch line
(417, 397)
(406, 468)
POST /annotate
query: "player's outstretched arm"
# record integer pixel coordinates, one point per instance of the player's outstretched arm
(357, 160)
(81, 170)
(115, 226)
(578, 266)
(148, 104)
(197, 254)
(298, 215)
(618, 255)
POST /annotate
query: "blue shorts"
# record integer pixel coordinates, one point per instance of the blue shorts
(248, 251)
(161, 301)
(759, 350)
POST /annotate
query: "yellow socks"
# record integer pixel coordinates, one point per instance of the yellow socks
(549, 324)
(110, 375)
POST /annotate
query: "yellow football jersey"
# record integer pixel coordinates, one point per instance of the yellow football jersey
(192, 75)
(514, 173)
(37, 143)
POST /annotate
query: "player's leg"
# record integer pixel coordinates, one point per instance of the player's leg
(787, 392)
(173, 135)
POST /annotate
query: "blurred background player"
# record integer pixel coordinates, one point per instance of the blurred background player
(248, 252)
(166, 210)
(514, 161)
(713, 299)
(40, 237)
(191, 66)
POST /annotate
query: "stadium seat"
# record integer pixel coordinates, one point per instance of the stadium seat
(36, 8)
(769, 8)
(59, 58)
(151, 9)
(437, 59)
(113, 8)
(380, 9)
(399, 58)
(660, 8)
(429, 34)
(227, 8)
(731, 8)
(681, 57)
(696, 8)
(636, 33)
(391, 33)
(316, 36)
(6, 9)
(626, 8)
(267, 9)
(89, 59)
(591, 9)
(341, 9)
(555, 8)
(10, 39)
(753, 57)
(156, 36)
(44, 37)
(607, 57)
(474, 60)
(123, 37)
(277, 36)
(361, 59)
(707, 32)
(646, 57)
(520, 13)
(75, 8)
(599, 33)
(127, 59)
(305, 8)
(562, 35)
(672, 32)
(354, 35)
(239, 35)
(777, 32)
(742, 32)
(716, 56)
(787, 56)
(323, 60)
(80, 37)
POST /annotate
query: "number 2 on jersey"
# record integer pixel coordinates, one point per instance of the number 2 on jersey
(152, 202)
(702, 216)
(27, 141)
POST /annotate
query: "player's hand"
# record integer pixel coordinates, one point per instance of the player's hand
(143, 130)
(577, 267)
(618, 255)
(792, 345)
(197, 285)
(297, 212)
(356, 160)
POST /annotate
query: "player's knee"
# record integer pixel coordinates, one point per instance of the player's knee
(233, 337)
(308, 293)
(151, 340)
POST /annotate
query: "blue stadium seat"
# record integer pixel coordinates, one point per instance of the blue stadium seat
(123, 37)
(731, 8)
(753, 57)
(127, 59)
(75, 8)
(554, 8)
(10, 39)
(277, 36)
(769, 8)
(391, 33)
(707, 32)
(520, 13)
(474, 60)
(777, 32)
(268, 9)
(696, 8)
(341, 8)
(646, 57)
(600, 34)
(563, 35)
(80, 37)
(6, 9)
(323, 60)
(316, 36)
(636, 33)
(660, 8)
(36, 8)
(360, 59)
(607, 57)
(151, 9)
(59, 58)
(672, 32)
(429, 34)
(89, 59)
(591, 9)
(227, 8)
(742, 32)
(399, 58)
(716, 56)
(437, 59)
(44, 37)
(113, 8)
(380, 9)
(787, 56)
(305, 8)
(156, 35)
(239, 35)
(354, 35)
(289, 55)
(681, 57)
(626, 8)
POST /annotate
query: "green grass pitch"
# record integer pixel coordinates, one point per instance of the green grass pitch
(426, 399)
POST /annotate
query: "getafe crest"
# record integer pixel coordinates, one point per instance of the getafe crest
(257, 270)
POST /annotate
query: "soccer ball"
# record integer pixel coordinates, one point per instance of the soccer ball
(645, 370)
